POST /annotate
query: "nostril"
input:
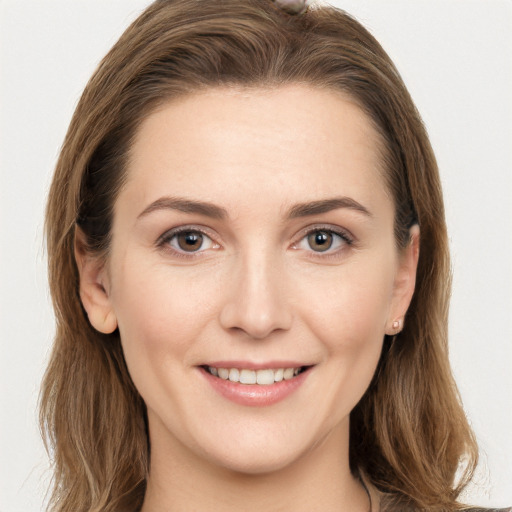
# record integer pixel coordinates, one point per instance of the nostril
(252, 321)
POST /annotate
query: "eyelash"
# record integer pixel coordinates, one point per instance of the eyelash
(346, 238)
(165, 240)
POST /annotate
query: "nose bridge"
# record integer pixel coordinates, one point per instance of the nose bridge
(257, 304)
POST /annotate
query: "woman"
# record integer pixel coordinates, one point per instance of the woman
(247, 250)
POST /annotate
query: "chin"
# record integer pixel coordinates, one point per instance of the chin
(251, 464)
(262, 451)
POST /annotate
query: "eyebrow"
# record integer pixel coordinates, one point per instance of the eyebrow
(186, 206)
(217, 212)
(326, 205)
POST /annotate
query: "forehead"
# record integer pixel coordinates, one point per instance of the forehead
(226, 142)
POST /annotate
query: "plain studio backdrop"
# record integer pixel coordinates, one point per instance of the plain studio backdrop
(456, 58)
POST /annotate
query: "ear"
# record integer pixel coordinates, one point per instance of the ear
(405, 281)
(94, 286)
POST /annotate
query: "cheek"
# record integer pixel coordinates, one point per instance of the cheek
(160, 313)
(161, 316)
(352, 310)
(350, 320)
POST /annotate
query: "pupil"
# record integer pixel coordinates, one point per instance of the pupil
(320, 240)
(190, 241)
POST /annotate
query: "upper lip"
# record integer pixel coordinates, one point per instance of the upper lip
(250, 365)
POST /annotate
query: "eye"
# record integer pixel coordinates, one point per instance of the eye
(323, 240)
(188, 241)
(320, 241)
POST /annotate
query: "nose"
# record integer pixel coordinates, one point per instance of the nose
(258, 304)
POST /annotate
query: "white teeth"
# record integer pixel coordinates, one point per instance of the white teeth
(247, 377)
(264, 377)
(234, 375)
(288, 373)
(223, 373)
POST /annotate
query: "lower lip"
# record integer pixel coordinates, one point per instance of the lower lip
(255, 394)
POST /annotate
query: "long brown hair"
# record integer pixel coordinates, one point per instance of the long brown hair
(409, 434)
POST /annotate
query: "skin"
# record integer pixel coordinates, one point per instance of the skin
(255, 291)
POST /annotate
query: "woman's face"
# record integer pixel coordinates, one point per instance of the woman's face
(254, 238)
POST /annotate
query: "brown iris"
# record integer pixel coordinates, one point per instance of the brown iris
(190, 241)
(320, 241)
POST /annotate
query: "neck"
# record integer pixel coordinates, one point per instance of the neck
(318, 480)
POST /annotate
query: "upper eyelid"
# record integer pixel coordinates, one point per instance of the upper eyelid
(185, 228)
(343, 232)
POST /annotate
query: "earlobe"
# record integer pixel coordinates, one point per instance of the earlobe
(101, 321)
(93, 285)
(405, 282)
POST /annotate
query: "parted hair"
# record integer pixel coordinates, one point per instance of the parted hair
(408, 435)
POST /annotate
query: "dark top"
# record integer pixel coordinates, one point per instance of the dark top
(487, 510)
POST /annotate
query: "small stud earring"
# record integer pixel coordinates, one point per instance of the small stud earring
(396, 326)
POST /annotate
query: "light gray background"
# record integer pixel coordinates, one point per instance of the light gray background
(456, 58)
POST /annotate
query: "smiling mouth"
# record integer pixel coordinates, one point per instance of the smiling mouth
(263, 377)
